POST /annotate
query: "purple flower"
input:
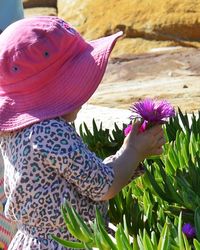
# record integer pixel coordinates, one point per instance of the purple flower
(189, 230)
(152, 111)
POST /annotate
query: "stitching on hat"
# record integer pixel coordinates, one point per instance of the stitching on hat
(25, 47)
(67, 27)
(53, 63)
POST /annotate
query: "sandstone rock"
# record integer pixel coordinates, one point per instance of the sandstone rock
(129, 46)
(40, 11)
(39, 3)
(172, 22)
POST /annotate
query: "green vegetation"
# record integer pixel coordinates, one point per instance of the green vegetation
(150, 212)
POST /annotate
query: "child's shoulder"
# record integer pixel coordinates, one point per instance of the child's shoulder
(55, 124)
(49, 126)
(55, 128)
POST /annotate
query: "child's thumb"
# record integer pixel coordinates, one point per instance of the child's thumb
(135, 127)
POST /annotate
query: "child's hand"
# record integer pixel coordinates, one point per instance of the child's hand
(145, 144)
(136, 147)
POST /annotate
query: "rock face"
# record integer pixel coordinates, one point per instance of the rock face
(172, 74)
(40, 8)
(146, 24)
(39, 3)
(40, 11)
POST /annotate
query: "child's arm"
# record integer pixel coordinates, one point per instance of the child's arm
(136, 147)
(65, 151)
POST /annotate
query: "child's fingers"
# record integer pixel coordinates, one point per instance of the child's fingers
(158, 147)
(135, 130)
(161, 142)
(155, 130)
(158, 151)
(158, 141)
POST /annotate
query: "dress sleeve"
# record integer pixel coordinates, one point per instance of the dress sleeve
(65, 151)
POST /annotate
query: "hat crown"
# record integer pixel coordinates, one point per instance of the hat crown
(32, 45)
(47, 69)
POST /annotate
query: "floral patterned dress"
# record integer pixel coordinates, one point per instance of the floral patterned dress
(46, 163)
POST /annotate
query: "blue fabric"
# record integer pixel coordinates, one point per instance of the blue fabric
(10, 11)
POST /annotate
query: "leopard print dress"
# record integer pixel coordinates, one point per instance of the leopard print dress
(45, 164)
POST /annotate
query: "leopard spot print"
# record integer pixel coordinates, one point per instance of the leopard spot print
(45, 164)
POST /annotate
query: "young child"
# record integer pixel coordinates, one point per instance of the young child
(10, 11)
(47, 72)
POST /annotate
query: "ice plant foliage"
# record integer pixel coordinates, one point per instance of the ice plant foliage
(189, 230)
(151, 112)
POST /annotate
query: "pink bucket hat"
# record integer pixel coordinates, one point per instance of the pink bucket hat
(47, 69)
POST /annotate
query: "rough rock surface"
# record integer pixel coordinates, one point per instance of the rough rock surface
(40, 11)
(152, 23)
(39, 3)
(163, 74)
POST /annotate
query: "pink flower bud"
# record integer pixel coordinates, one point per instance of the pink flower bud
(128, 129)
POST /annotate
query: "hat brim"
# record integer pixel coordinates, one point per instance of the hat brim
(58, 97)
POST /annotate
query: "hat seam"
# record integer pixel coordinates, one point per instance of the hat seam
(35, 120)
(49, 65)
(46, 31)
(23, 48)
